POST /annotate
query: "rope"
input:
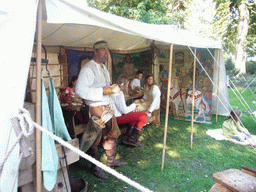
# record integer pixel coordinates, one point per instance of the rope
(7, 154)
(22, 115)
(84, 155)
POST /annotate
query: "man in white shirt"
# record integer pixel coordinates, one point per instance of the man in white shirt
(135, 84)
(93, 86)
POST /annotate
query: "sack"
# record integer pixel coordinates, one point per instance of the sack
(65, 97)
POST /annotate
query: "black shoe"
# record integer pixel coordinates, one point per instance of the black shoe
(98, 172)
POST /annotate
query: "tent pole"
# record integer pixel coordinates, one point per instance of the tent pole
(167, 104)
(193, 101)
(217, 107)
(38, 98)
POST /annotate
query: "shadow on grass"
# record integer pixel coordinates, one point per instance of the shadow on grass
(184, 169)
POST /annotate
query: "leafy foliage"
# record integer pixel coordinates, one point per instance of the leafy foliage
(230, 67)
(148, 11)
(226, 23)
(251, 37)
(251, 67)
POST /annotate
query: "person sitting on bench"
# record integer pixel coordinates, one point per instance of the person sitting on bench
(126, 115)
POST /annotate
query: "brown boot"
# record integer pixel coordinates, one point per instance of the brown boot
(132, 140)
(110, 147)
(98, 172)
(127, 134)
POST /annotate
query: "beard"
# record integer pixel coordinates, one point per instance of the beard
(103, 59)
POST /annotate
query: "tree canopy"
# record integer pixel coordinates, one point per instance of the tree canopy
(221, 19)
(148, 11)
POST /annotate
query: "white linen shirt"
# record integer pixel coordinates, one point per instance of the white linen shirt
(135, 83)
(156, 94)
(91, 80)
(119, 105)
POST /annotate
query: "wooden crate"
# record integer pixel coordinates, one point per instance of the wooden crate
(27, 176)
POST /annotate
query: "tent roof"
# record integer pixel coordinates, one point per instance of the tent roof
(77, 25)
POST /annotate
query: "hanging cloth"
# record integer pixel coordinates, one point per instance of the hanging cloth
(49, 153)
(58, 121)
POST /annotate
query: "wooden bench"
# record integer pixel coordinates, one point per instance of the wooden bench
(233, 180)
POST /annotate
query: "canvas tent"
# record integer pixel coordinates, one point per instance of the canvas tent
(70, 24)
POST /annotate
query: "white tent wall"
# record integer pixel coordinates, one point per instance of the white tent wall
(17, 31)
(220, 99)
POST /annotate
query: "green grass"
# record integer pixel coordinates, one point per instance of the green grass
(184, 169)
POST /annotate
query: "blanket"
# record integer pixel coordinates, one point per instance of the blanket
(217, 134)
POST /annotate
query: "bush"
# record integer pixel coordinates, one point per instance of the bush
(230, 67)
(250, 67)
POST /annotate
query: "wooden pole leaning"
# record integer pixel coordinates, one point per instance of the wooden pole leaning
(167, 104)
(193, 101)
(38, 98)
(218, 86)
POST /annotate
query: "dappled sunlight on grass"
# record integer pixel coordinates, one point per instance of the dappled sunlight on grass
(214, 146)
(174, 128)
(195, 128)
(160, 146)
(173, 154)
(144, 163)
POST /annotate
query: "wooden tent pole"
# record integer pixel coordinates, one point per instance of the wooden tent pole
(217, 95)
(38, 98)
(193, 101)
(167, 104)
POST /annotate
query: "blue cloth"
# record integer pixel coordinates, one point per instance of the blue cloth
(75, 58)
(49, 153)
(58, 121)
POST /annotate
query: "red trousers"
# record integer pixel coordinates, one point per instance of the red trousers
(133, 118)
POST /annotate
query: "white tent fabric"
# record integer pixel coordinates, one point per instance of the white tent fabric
(70, 23)
(82, 26)
(17, 29)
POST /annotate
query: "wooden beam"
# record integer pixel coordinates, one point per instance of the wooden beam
(167, 105)
(38, 98)
(218, 86)
(193, 101)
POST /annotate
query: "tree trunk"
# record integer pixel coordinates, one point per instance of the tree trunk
(243, 27)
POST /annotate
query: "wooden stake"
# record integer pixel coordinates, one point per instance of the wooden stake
(193, 100)
(167, 105)
(218, 86)
(38, 98)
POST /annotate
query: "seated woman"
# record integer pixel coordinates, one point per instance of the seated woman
(150, 102)
(232, 128)
(125, 115)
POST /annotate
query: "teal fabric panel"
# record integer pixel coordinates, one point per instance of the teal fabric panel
(49, 153)
(59, 125)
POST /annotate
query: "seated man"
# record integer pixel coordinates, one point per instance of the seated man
(136, 84)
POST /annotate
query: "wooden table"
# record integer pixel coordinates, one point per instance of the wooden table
(69, 112)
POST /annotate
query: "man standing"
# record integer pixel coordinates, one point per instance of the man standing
(93, 86)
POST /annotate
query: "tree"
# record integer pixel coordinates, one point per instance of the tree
(148, 11)
(232, 22)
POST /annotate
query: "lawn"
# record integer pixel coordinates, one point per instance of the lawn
(184, 169)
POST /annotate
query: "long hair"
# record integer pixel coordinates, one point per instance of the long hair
(145, 81)
(123, 79)
(73, 79)
(234, 115)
